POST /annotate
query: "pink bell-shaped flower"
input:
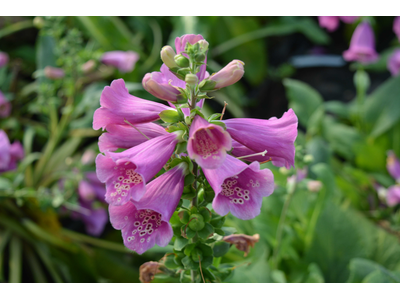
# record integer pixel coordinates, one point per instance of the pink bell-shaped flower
(393, 63)
(123, 60)
(396, 27)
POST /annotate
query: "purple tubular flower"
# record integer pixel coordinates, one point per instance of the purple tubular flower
(277, 136)
(127, 172)
(393, 165)
(228, 75)
(117, 105)
(393, 63)
(208, 143)
(125, 136)
(123, 60)
(329, 22)
(146, 223)
(163, 85)
(3, 59)
(239, 188)
(362, 45)
(9, 153)
(396, 27)
(5, 106)
(95, 220)
(393, 195)
(53, 73)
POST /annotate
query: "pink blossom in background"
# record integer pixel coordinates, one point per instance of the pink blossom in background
(393, 165)
(208, 143)
(362, 45)
(393, 63)
(3, 59)
(331, 23)
(53, 73)
(123, 60)
(393, 195)
(10, 154)
(5, 106)
(396, 27)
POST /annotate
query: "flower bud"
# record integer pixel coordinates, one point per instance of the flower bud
(3, 59)
(242, 242)
(182, 61)
(38, 22)
(196, 222)
(228, 75)
(88, 66)
(314, 186)
(191, 79)
(148, 270)
(203, 45)
(53, 73)
(88, 157)
(199, 57)
(168, 57)
(158, 86)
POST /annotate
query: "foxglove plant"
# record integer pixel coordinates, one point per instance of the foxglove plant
(185, 164)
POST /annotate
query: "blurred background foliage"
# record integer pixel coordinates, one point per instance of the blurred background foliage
(342, 233)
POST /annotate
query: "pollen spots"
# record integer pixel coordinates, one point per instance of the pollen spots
(204, 144)
(146, 223)
(237, 195)
(127, 178)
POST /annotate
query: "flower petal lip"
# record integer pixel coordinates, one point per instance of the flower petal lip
(117, 105)
(146, 223)
(211, 140)
(125, 136)
(362, 45)
(277, 136)
(252, 184)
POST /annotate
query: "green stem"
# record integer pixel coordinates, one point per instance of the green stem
(15, 27)
(279, 231)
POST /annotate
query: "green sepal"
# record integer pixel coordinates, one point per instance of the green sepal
(200, 196)
(189, 264)
(188, 192)
(207, 85)
(183, 72)
(189, 179)
(220, 249)
(184, 278)
(172, 128)
(206, 231)
(190, 233)
(206, 213)
(219, 231)
(197, 255)
(170, 262)
(180, 243)
(206, 262)
(176, 230)
(214, 117)
(219, 123)
(194, 210)
(209, 196)
(196, 222)
(207, 250)
(178, 260)
(184, 216)
(181, 147)
(175, 162)
(189, 248)
(170, 116)
(208, 274)
(218, 222)
(203, 96)
(196, 111)
(180, 112)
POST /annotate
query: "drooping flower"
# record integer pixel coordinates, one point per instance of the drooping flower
(242, 242)
(126, 136)
(393, 195)
(362, 45)
(126, 173)
(277, 136)
(53, 73)
(331, 23)
(228, 75)
(393, 165)
(3, 59)
(117, 105)
(163, 85)
(168, 57)
(123, 60)
(10, 154)
(5, 106)
(393, 63)
(148, 270)
(208, 143)
(146, 223)
(239, 188)
(396, 27)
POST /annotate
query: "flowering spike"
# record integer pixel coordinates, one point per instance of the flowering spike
(277, 136)
(5, 106)
(146, 223)
(362, 45)
(117, 105)
(239, 188)
(393, 63)
(125, 136)
(123, 60)
(127, 172)
(208, 143)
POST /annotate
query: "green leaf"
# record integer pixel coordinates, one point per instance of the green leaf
(220, 249)
(278, 276)
(170, 116)
(364, 270)
(180, 243)
(189, 264)
(170, 262)
(15, 263)
(302, 98)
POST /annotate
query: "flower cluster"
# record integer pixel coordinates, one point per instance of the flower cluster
(168, 150)
(10, 154)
